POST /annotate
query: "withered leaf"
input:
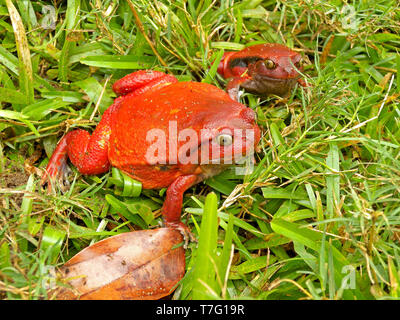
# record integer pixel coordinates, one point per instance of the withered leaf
(140, 265)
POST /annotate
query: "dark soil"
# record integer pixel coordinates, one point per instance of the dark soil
(13, 177)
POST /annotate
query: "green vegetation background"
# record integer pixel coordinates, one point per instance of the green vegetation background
(317, 219)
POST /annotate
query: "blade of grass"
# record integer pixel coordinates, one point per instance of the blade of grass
(119, 62)
(52, 240)
(205, 273)
(225, 257)
(73, 8)
(12, 96)
(24, 55)
(332, 180)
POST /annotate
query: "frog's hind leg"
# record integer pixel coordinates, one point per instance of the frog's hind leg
(141, 81)
(89, 153)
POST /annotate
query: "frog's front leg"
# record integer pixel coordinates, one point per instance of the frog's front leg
(89, 153)
(173, 204)
(233, 87)
(141, 81)
(303, 83)
(223, 67)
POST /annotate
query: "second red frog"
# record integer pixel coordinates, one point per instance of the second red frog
(262, 69)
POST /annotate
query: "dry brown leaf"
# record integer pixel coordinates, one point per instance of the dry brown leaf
(139, 265)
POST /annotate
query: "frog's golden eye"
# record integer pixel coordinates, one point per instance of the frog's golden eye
(224, 139)
(269, 64)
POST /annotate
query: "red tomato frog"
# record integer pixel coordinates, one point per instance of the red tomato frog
(163, 133)
(262, 69)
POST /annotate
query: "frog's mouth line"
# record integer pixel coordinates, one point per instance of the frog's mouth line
(262, 84)
(233, 158)
(263, 78)
(236, 159)
(244, 165)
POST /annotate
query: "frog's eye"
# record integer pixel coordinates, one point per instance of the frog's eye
(224, 139)
(269, 64)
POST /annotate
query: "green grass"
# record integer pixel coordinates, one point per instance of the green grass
(319, 216)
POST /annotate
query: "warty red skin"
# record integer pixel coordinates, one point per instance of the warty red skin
(152, 100)
(246, 69)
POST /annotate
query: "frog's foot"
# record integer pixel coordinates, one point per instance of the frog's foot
(141, 81)
(303, 83)
(233, 87)
(57, 177)
(184, 230)
(57, 171)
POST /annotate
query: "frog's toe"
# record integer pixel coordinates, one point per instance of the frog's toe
(187, 235)
(56, 176)
(234, 93)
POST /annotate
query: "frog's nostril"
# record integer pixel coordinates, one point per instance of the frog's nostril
(248, 115)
